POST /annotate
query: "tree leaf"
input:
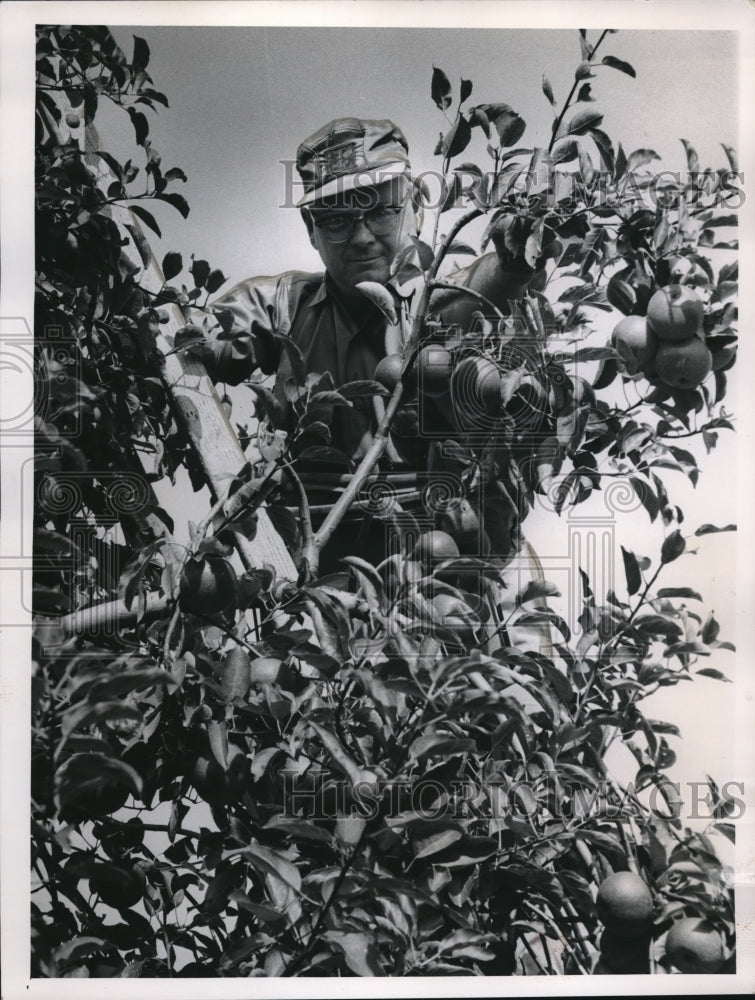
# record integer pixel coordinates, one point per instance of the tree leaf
(177, 201)
(619, 64)
(434, 842)
(715, 674)
(465, 90)
(381, 297)
(218, 736)
(673, 546)
(457, 138)
(621, 294)
(199, 271)
(631, 571)
(709, 529)
(548, 90)
(535, 589)
(679, 592)
(424, 253)
(172, 265)
(146, 217)
(140, 59)
(141, 125)
(358, 950)
(214, 280)
(440, 89)
(583, 120)
(693, 160)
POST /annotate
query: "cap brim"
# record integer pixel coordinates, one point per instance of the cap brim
(350, 182)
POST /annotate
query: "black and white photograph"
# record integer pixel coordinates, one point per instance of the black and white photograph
(377, 467)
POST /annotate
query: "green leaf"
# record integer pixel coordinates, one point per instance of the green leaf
(358, 950)
(631, 571)
(381, 297)
(146, 217)
(440, 89)
(199, 271)
(214, 280)
(457, 138)
(548, 90)
(679, 592)
(426, 746)
(177, 201)
(535, 589)
(218, 736)
(583, 120)
(619, 64)
(172, 265)
(140, 59)
(673, 546)
(715, 674)
(693, 160)
(434, 842)
(141, 125)
(621, 294)
(424, 253)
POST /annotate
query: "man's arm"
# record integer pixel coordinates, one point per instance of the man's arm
(249, 316)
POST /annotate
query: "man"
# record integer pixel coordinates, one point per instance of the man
(360, 206)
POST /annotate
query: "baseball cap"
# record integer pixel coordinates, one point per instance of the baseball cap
(350, 153)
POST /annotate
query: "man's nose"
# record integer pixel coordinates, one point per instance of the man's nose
(360, 234)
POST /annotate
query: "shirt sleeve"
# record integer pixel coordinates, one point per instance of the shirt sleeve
(249, 316)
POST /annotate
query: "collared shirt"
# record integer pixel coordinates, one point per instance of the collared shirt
(344, 337)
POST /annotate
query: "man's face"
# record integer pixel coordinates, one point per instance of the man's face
(363, 255)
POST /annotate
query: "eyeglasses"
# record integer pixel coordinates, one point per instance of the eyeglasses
(338, 227)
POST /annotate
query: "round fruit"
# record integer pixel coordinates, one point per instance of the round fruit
(676, 313)
(635, 342)
(72, 120)
(683, 365)
(451, 613)
(462, 522)
(476, 392)
(625, 955)
(208, 586)
(695, 946)
(106, 800)
(211, 781)
(388, 371)
(208, 777)
(433, 547)
(624, 904)
(236, 675)
(266, 670)
(434, 366)
(118, 886)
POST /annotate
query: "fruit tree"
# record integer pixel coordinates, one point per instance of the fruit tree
(398, 767)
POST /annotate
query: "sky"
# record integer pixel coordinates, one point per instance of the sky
(242, 99)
